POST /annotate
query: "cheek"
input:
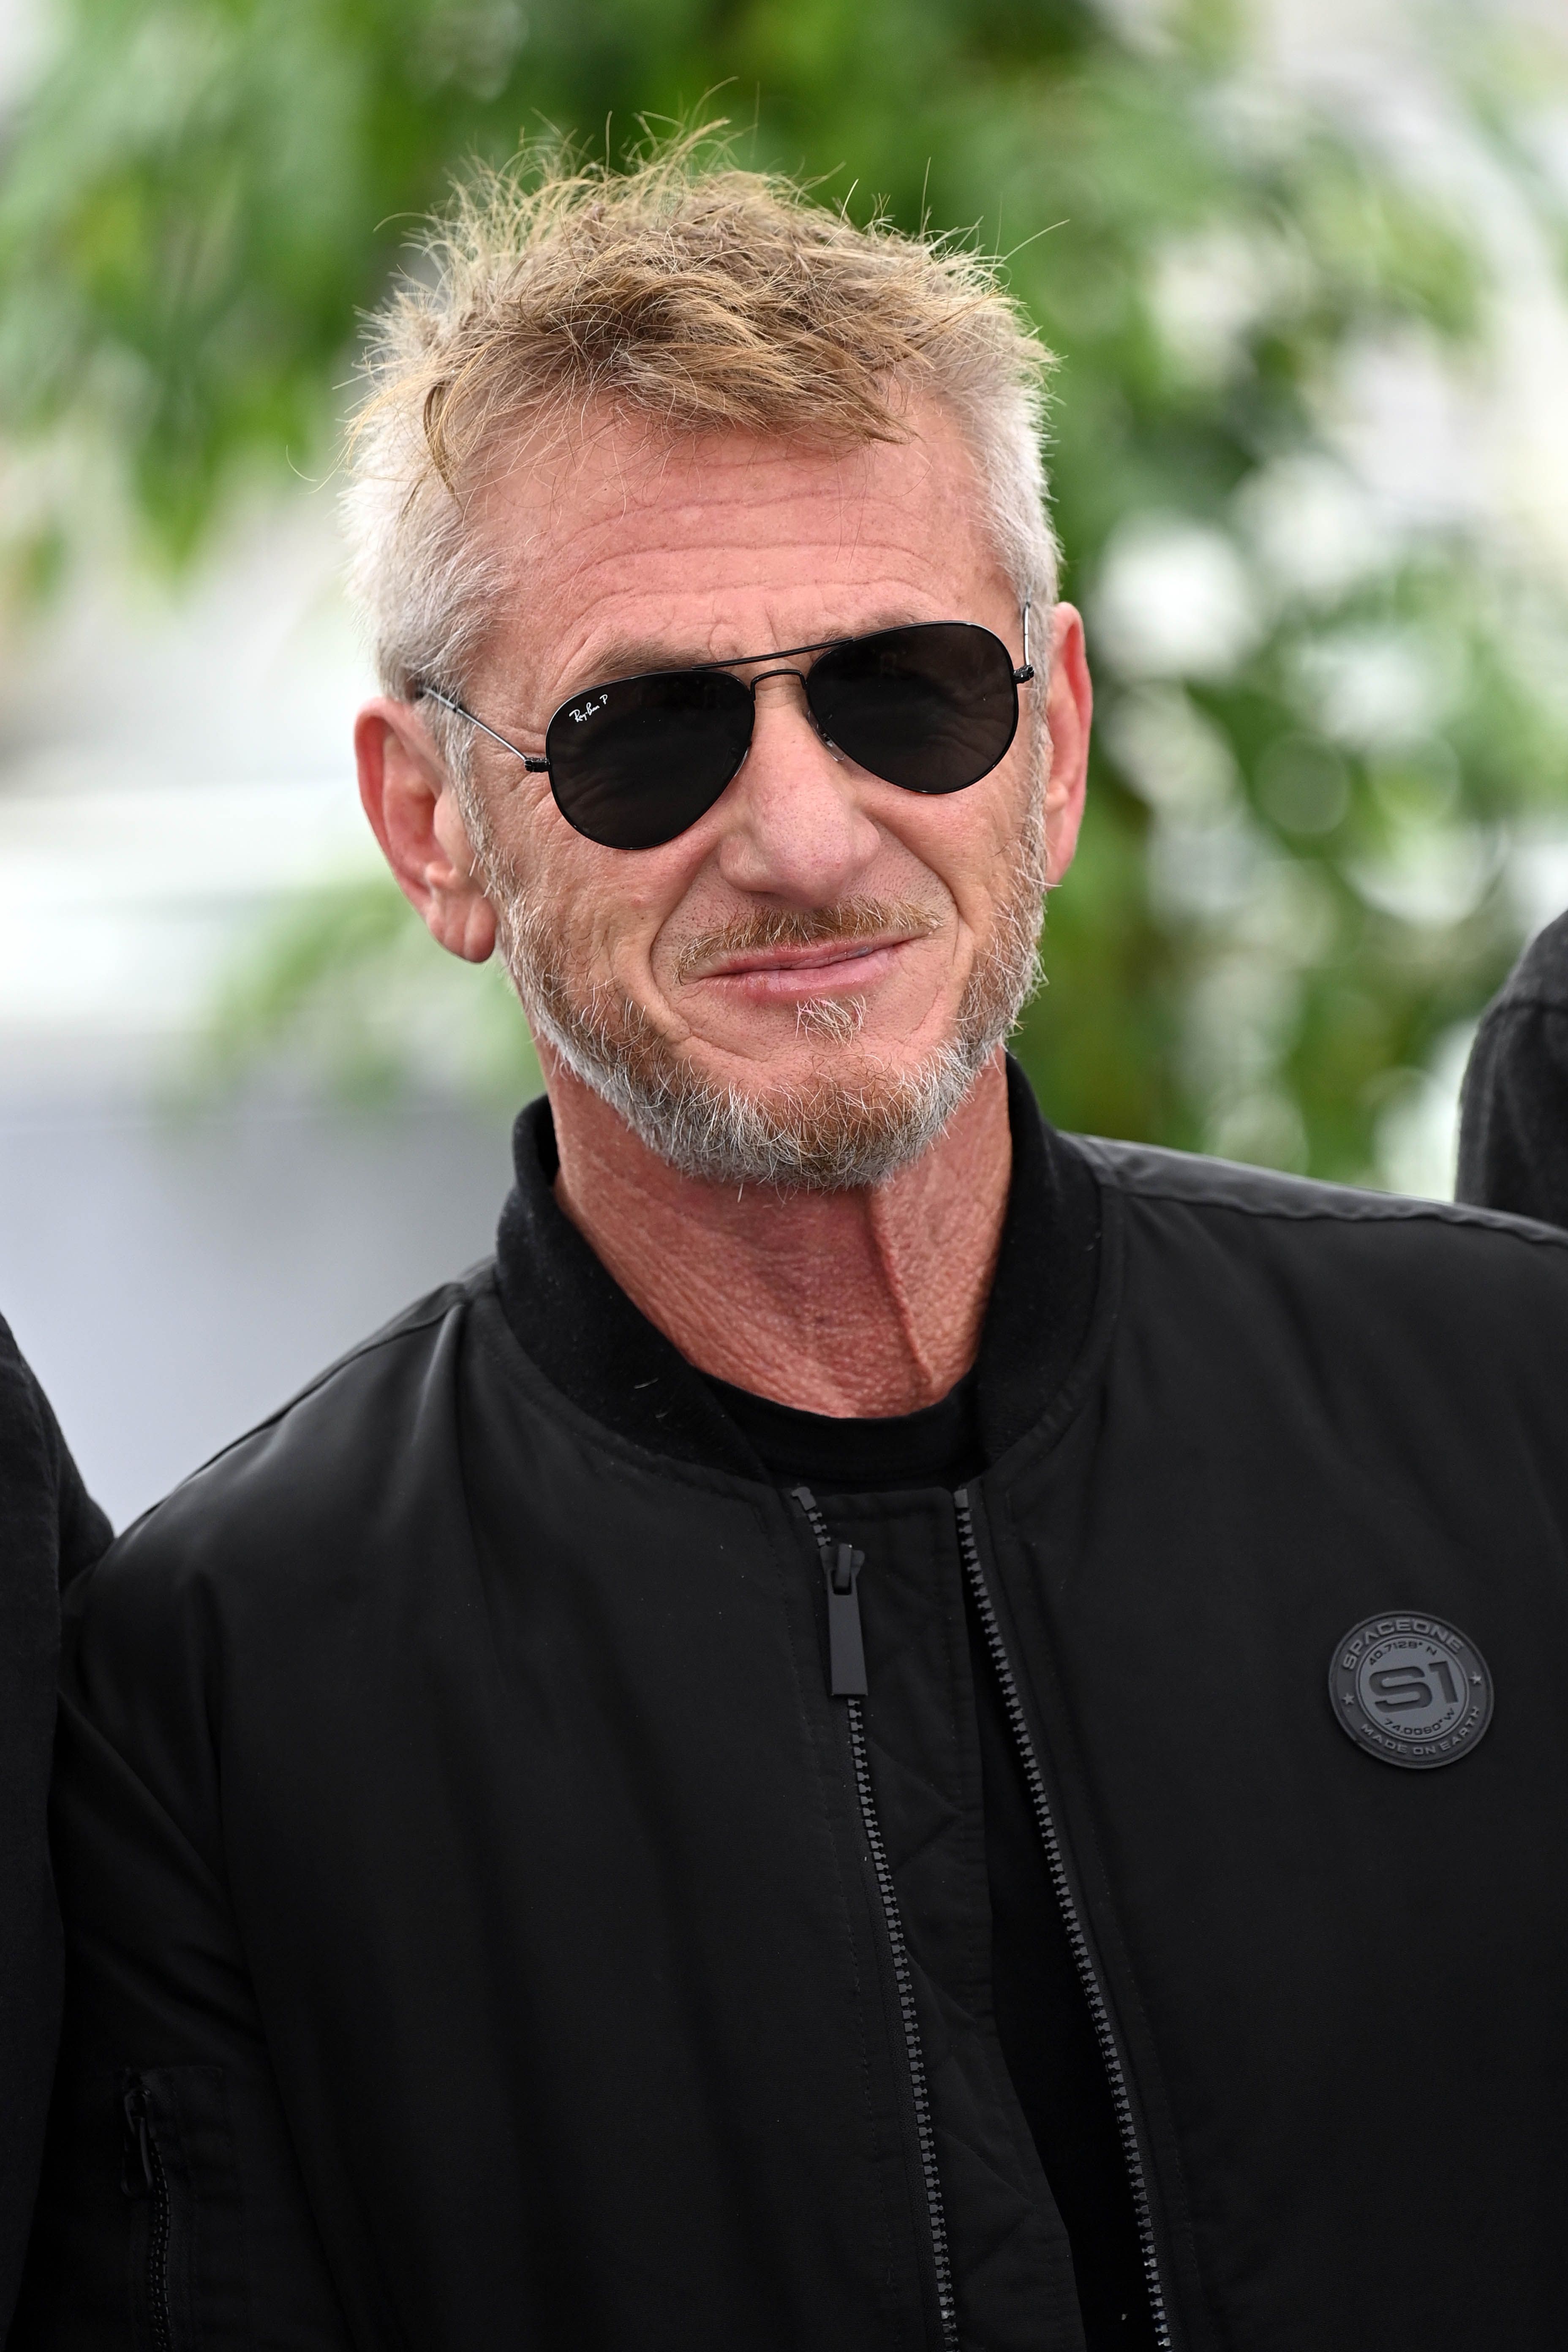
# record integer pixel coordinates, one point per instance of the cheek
(549, 868)
(970, 841)
(606, 909)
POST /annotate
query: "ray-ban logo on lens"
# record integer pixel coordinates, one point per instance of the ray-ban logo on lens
(1411, 1689)
(588, 708)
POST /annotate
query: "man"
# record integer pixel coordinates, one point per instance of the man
(883, 1735)
(50, 1528)
(1513, 1128)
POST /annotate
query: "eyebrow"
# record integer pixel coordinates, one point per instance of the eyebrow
(625, 657)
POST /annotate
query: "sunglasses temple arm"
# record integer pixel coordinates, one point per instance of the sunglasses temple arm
(428, 694)
(1022, 677)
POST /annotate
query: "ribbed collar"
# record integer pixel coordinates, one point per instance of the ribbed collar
(572, 1316)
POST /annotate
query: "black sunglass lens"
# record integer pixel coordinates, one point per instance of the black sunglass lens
(931, 707)
(633, 765)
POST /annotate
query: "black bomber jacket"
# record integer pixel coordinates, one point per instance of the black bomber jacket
(488, 1929)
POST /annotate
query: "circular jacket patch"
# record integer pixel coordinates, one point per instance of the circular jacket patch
(1411, 1689)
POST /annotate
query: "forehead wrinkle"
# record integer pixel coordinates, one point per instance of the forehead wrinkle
(602, 571)
(597, 648)
(639, 458)
(690, 517)
(599, 572)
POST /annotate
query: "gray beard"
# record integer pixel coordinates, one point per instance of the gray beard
(850, 1125)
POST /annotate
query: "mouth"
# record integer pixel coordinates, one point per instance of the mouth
(790, 975)
(787, 956)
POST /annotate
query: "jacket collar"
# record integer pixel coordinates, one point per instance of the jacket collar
(583, 1332)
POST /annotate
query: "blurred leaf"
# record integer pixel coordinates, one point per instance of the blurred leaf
(349, 983)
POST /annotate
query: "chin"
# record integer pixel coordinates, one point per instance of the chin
(778, 1069)
(824, 1036)
(822, 1117)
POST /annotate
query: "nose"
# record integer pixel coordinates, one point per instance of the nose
(796, 830)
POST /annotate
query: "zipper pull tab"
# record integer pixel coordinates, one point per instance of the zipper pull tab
(846, 1650)
(136, 2152)
(841, 1566)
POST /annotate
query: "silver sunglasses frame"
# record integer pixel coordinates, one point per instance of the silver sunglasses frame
(538, 766)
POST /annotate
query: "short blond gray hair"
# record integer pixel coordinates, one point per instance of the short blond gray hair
(689, 293)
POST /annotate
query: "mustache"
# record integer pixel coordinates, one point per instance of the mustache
(806, 926)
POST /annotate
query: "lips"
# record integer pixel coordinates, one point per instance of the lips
(784, 964)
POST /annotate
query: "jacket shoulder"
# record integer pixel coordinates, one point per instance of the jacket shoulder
(220, 1602)
(1540, 978)
(324, 1458)
(1149, 1172)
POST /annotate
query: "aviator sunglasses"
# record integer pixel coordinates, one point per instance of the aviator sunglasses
(931, 707)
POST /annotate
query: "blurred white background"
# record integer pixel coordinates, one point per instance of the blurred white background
(175, 1263)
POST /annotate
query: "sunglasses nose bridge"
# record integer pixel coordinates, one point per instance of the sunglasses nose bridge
(787, 669)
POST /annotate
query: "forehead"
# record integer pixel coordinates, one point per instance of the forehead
(624, 549)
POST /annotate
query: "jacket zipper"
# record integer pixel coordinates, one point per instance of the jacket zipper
(1094, 1992)
(142, 2145)
(846, 1660)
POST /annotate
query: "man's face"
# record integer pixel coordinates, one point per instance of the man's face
(819, 932)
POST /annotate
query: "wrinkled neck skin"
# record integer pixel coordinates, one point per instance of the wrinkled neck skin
(860, 1304)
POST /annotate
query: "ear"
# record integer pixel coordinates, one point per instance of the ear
(1069, 706)
(407, 795)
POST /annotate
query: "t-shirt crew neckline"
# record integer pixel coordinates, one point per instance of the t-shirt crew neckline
(594, 1346)
(937, 1446)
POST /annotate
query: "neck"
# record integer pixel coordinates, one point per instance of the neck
(862, 1303)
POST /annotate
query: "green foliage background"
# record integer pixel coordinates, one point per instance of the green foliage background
(1286, 895)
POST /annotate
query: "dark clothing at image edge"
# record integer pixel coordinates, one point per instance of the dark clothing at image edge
(487, 1927)
(1514, 1126)
(48, 1529)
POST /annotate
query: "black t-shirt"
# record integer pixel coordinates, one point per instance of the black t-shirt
(1042, 2018)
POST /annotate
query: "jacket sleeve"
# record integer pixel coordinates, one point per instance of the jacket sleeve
(171, 2208)
(48, 1528)
(1513, 1130)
